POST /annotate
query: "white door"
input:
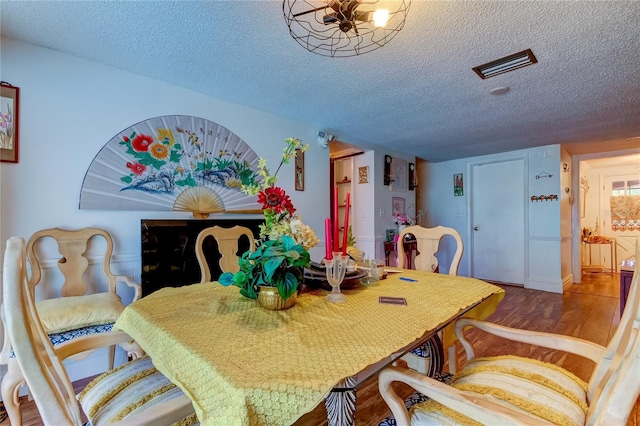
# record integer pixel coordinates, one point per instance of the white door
(497, 221)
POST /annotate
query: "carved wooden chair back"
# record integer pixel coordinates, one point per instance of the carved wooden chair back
(428, 241)
(80, 312)
(48, 379)
(227, 240)
(72, 245)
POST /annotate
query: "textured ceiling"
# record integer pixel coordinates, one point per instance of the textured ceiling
(417, 94)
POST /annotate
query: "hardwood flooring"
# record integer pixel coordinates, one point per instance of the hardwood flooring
(589, 310)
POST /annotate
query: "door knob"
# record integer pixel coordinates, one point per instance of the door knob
(475, 228)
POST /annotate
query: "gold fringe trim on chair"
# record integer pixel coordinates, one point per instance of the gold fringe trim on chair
(145, 398)
(123, 384)
(432, 406)
(584, 385)
(541, 411)
(187, 421)
(98, 379)
(535, 378)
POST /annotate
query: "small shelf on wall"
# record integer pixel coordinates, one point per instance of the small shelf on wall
(343, 181)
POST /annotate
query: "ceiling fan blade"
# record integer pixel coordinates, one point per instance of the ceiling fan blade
(295, 15)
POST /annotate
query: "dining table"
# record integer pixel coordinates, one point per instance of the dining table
(241, 364)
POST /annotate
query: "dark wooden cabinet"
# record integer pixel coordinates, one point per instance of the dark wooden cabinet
(626, 273)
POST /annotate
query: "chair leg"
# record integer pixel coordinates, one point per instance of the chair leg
(453, 360)
(10, 388)
(112, 356)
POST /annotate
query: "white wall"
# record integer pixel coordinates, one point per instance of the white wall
(69, 108)
(547, 266)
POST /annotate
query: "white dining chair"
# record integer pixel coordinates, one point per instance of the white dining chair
(520, 390)
(77, 310)
(134, 393)
(428, 243)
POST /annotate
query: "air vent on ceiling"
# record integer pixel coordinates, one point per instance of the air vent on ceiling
(506, 64)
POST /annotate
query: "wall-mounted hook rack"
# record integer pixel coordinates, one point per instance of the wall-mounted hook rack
(543, 174)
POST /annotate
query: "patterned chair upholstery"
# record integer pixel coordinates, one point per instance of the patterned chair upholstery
(124, 394)
(519, 390)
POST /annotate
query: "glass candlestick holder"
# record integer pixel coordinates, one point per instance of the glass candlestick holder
(336, 269)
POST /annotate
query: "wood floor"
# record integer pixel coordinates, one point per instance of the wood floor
(589, 310)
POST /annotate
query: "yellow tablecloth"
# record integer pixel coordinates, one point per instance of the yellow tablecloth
(244, 365)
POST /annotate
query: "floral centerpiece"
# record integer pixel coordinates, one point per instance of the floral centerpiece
(285, 240)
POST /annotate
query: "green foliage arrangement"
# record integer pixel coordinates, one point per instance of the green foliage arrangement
(275, 263)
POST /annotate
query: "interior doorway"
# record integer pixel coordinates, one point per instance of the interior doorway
(342, 181)
(600, 180)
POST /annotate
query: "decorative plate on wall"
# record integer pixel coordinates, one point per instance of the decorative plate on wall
(173, 162)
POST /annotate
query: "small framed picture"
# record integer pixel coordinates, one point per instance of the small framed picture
(458, 185)
(363, 174)
(299, 170)
(398, 205)
(390, 235)
(9, 110)
(399, 174)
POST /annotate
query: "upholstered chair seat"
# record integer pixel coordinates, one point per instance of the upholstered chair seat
(127, 390)
(543, 391)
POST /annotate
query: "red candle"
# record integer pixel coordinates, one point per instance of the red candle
(346, 225)
(336, 221)
(327, 239)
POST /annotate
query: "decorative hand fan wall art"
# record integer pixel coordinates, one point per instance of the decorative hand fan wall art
(172, 163)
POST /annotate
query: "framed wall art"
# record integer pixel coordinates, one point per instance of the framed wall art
(397, 205)
(458, 185)
(299, 170)
(363, 174)
(9, 113)
(399, 175)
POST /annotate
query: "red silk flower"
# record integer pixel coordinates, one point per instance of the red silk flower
(276, 199)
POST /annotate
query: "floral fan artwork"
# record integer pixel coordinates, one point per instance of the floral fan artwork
(174, 162)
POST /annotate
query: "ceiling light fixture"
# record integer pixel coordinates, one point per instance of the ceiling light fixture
(506, 64)
(343, 28)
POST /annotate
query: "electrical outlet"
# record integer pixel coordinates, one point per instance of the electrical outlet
(460, 212)
(382, 213)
